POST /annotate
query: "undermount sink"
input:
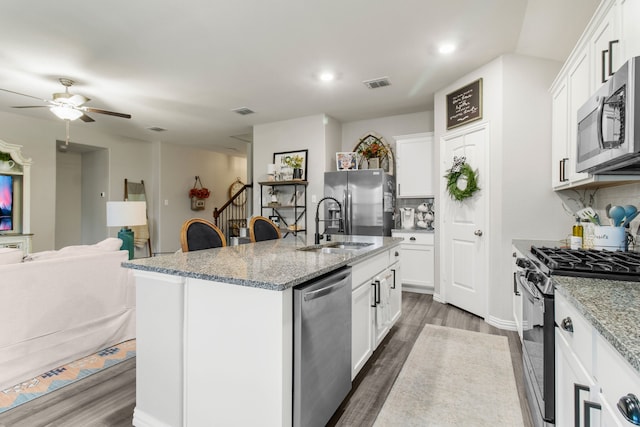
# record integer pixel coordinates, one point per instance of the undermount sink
(349, 245)
(336, 248)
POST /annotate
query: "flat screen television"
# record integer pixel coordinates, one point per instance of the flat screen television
(6, 202)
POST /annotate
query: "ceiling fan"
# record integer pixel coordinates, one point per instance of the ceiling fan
(68, 106)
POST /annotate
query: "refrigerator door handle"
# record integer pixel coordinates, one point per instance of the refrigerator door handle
(350, 213)
(345, 214)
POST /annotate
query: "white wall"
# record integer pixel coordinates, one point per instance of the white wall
(178, 167)
(304, 133)
(68, 200)
(517, 105)
(388, 127)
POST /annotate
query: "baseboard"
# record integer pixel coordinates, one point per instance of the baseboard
(507, 325)
(438, 298)
(142, 419)
(417, 289)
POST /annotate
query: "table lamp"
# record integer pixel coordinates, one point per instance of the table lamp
(125, 214)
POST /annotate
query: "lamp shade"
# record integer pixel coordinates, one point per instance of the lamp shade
(122, 214)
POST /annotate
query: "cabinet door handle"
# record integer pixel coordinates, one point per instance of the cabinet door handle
(375, 294)
(588, 406)
(394, 278)
(397, 253)
(567, 324)
(602, 67)
(611, 43)
(515, 285)
(413, 239)
(577, 388)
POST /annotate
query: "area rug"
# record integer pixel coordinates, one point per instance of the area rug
(65, 375)
(454, 377)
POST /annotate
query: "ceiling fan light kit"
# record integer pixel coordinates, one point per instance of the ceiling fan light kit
(65, 112)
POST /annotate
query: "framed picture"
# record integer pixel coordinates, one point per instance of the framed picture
(346, 161)
(300, 156)
(464, 105)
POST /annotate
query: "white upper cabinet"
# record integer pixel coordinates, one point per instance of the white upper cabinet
(414, 165)
(607, 42)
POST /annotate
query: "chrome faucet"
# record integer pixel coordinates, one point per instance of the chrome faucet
(317, 235)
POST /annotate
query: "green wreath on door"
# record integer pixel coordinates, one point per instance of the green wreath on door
(460, 173)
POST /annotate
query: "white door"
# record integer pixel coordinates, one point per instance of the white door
(464, 242)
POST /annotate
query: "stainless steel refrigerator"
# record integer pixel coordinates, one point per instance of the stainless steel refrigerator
(367, 198)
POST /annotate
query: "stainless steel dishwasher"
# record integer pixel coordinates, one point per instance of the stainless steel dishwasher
(321, 348)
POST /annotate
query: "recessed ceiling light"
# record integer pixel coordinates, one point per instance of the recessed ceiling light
(327, 76)
(446, 48)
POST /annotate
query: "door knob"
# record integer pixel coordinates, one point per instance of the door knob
(478, 232)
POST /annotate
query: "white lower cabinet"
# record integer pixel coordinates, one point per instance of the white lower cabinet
(376, 304)
(591, 376)
(417, 253)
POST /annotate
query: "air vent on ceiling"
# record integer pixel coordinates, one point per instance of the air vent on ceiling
(156, 129)
(376, 83)
(243, 111)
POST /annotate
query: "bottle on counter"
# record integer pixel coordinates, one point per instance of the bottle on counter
(576, 236)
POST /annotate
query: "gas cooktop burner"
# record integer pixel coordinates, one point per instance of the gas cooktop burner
(590, 263)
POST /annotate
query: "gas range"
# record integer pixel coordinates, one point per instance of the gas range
(541, 262)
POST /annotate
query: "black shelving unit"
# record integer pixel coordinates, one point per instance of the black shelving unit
(291, 209)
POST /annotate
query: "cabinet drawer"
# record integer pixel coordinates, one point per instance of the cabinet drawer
(370, 267)
(415, 238)
(581, 339)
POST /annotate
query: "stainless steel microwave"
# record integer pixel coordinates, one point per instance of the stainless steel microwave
(608, 125)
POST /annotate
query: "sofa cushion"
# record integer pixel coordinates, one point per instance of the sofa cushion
(10, 256)
(109, 244)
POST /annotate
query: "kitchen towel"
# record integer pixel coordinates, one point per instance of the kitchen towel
(454, 377)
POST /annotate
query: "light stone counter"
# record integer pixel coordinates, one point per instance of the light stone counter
(215, 330)
(612, 307)
(273, 264)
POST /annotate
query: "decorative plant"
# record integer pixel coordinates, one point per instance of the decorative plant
(199, 193)
(5, 157)
(371, 149)
(273, 191)
(294, 162)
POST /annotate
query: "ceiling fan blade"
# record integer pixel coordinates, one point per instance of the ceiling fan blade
(111, 113)
(86, 118)
(24, 94)
(30, 106)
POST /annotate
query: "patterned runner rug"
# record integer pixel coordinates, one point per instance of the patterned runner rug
(65, 375)
(454, 377)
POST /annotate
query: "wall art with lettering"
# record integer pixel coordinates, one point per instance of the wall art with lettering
(464, 105)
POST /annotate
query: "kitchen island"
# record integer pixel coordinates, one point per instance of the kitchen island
(215, 330)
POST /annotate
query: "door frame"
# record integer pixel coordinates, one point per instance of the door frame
(485, 170)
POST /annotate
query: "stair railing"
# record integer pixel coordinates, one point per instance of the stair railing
(232, 216)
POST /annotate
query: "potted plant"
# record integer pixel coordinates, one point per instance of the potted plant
(295, 163)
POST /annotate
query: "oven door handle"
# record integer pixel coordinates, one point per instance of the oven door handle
(528, 293)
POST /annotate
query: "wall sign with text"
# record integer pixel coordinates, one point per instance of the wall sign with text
(464, 105)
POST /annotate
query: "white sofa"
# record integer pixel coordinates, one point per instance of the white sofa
(59, 306)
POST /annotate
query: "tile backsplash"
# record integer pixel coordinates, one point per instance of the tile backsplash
(628, 194)
(414, 203)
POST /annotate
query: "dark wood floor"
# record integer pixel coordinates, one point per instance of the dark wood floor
(107, 399)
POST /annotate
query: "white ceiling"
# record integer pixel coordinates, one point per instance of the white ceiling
(184, 65)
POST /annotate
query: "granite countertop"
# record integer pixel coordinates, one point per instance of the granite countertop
(612, 307)
(414, 230)
(274, 264)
